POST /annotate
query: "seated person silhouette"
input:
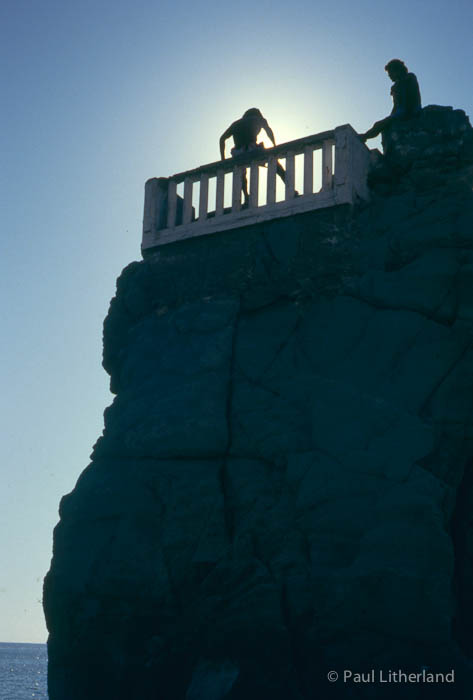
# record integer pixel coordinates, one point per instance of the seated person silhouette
(406, 97)
(245, 132)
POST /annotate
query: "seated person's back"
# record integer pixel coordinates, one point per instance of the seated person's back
(406, 96)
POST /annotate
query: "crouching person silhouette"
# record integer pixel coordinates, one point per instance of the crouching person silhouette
(406, 97)
(245, 132)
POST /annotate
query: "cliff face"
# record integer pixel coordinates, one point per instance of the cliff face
(284, 482)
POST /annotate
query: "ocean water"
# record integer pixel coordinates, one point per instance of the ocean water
(23, 671)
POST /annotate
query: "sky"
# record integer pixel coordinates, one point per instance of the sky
(97, 97)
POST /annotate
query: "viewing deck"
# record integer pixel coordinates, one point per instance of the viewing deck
(332, 168)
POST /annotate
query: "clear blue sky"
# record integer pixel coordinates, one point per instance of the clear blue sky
(98, 96)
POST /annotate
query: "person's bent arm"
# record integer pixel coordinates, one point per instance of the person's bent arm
(226, 134)
(269, 131)
(222, 147)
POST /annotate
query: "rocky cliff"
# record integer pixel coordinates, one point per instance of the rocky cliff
(284, 485)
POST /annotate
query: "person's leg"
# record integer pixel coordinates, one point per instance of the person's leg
(244, 186)
(376, 129)
(244, 182)
(281, 172)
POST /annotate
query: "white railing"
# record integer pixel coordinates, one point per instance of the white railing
(169, 217)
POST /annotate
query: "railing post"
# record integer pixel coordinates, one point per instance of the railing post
(271, 181)
(156, 196)
(352, 162)
(236, 188)
(187, 209)
(308, 169)
(290, 176)
(327, 165)
(219, 196)
(359, 164)
(203, 196)
(172, 203)
(342, 185)
(254, 184)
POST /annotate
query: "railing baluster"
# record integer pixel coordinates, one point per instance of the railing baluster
(254, 185)
(236, 188)
(203, 196)
(172, 203)
(187, 210)
(220, 192)
(308, 170)
(327, 165)
(271, 182)
(290, 176)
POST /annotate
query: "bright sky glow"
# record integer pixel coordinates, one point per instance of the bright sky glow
(98, 96)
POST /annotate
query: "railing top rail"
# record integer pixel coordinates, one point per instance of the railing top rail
(228, 164)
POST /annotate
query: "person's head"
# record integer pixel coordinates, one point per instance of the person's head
(396, 69)
(253, 113)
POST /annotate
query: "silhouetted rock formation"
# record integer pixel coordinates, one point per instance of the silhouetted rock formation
(284, 483)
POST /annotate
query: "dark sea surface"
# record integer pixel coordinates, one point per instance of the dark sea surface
(23, 671)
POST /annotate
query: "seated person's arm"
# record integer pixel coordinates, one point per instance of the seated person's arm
(395, 96)
(226, 134)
